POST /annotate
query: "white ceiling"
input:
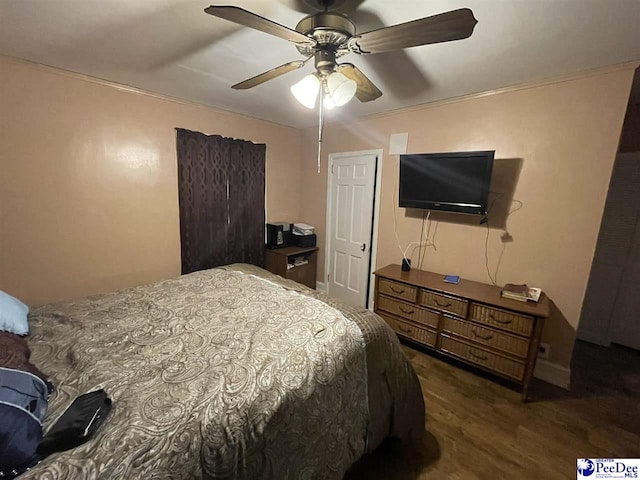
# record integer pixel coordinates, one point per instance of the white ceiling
(172, 47)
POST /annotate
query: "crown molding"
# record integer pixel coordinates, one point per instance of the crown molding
(129, 89)
(438, 103)
(633, 65)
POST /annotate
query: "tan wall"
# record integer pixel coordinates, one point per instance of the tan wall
(88, 181)
(563, 140)
(88, 186)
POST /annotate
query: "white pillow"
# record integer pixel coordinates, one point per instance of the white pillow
(13, 315)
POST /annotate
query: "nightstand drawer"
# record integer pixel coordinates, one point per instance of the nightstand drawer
(304, 274)
(411, 331)
(445, 303)
(479, 356)
(399, 290)
(504, 319)
(503, 341)
(408, 311)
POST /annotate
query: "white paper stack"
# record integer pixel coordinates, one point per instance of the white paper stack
(303, 229)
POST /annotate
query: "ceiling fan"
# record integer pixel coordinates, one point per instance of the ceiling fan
(329, 35)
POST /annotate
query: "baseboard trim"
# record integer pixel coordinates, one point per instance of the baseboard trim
(553, 373)
(321, 287)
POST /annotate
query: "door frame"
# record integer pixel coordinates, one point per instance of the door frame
(373, 250)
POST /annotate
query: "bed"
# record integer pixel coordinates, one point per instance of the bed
(231, 372)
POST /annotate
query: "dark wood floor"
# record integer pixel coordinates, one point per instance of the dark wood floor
(479, 429)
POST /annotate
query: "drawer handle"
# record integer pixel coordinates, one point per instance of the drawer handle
(405, 330)
(504, 322)
(479, 357)
(476, 334)
(396, 291)
(435, 300)
(408, 312)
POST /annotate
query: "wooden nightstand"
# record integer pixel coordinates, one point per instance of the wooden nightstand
(303, 259)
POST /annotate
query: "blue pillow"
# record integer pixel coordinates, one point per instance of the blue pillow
(13, 315)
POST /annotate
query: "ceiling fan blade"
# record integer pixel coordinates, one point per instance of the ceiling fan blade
(244, 17)
(366, 91)
(445, 27)
(270, 75)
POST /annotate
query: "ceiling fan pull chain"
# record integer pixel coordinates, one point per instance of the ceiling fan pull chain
(320, 124)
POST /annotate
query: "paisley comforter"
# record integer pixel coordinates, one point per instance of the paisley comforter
(225, 373)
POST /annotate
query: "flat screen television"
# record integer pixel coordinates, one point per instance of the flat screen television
(451, 182)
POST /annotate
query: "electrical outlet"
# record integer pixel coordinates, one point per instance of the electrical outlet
(543, 350)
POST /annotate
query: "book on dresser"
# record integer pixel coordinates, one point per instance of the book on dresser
(522, 293)
(470, 322)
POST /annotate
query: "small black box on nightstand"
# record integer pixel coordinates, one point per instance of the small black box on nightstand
(305, 240)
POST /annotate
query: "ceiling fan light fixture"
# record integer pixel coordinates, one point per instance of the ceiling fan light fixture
(328, 102)
(306, 90)
(341, 89)
(328, 35)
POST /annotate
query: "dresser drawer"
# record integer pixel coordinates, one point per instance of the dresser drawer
(408, 330)
(479, 356)
(445, 303)
(396, 289)
(503, 341)
(504, 319)
(409, 311)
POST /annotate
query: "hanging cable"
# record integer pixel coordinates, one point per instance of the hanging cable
(320, 125)
(486, 256)
(424, 216)
(428, 241)
(499, 196)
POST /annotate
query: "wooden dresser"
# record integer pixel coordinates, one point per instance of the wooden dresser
(468, 321)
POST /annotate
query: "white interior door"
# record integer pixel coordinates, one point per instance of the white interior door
(351, 187)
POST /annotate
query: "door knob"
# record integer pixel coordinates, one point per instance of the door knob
(363, 247)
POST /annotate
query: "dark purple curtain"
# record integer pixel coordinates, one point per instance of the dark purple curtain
(221, 194)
